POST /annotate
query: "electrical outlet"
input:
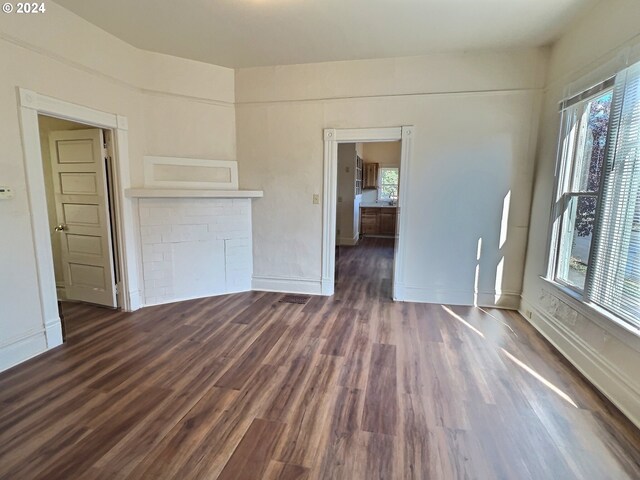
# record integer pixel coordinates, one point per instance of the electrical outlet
(6, 193)
(316, 199)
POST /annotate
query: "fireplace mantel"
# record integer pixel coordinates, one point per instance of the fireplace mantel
(190, 193)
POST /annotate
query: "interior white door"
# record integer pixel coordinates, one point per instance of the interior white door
(82, 208)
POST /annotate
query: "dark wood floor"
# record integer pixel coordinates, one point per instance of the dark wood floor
(352, 387)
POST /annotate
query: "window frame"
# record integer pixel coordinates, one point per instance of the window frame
(572, 111)
(381, 185)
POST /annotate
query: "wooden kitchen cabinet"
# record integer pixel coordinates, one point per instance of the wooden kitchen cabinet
(378, 221)
(369, 221)
(370, 180)
(387, 221)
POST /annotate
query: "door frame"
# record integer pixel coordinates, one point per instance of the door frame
(332, 137)
(30, 105)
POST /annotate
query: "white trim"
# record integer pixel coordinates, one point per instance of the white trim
(604, 375)
(39, 217)
(21, 349)
(167, 301)
(402, 212)
(65, 110)
(400, 291)
(61, 291)
(30, 105)
(358, 135)
(150, 163)
(53, 332)
(136, 299)
(188, 193)
(367, 98)
(623, 331)
(7, 342)
(286, 285)
(329, 189)
(332, 137)
(126, 220)
(505, 300)
(349, 241)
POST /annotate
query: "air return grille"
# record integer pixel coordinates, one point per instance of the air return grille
(299, 299)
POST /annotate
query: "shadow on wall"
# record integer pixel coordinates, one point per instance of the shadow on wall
(476, 215)
(499, 267)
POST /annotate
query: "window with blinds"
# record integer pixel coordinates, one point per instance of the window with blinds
(596, 241)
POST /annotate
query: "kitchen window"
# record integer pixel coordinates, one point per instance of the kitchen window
(595, 247)
(388, 190)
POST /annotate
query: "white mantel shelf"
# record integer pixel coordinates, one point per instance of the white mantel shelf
(190, 193)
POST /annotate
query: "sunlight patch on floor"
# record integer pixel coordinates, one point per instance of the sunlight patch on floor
(462, 320)
(540, 378)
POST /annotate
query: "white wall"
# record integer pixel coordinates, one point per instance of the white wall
(475, 120)
(174, 107)
(596, 46)
(386, 154)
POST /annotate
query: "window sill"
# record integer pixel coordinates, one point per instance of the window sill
(618, 328)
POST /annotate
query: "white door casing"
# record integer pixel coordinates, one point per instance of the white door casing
(31, 104)
(332, 137)
(83, 216)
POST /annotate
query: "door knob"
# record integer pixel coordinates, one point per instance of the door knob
(61, 228)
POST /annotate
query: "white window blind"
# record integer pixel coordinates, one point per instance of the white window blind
(613, 279)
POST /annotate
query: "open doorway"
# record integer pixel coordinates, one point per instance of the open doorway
(381, 185)
(78, 181)
(368, 176)
(30, 106)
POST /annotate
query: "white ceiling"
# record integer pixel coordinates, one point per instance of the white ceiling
(244, 33)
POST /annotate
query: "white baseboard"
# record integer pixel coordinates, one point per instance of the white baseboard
(164, 301)
(598, 370)
(61, 291)
(33, 343)
(287, 285)
(135, 300)
(53, 332)
(348, 241)
(327, 287)
(22, 349)
(399, 292)
(506, 300)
